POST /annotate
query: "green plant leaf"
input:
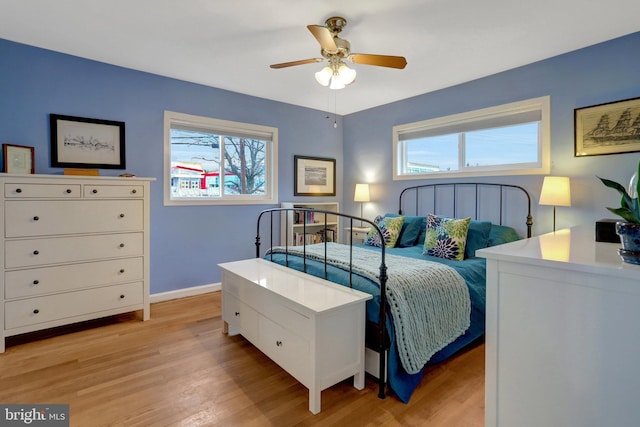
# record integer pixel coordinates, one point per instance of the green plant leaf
(627, 204)
(615, 186)
(626, 214)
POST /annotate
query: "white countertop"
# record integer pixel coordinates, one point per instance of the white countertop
(571, 248)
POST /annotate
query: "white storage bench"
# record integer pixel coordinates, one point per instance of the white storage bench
(312, 328)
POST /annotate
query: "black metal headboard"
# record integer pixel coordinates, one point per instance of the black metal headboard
(419, 190)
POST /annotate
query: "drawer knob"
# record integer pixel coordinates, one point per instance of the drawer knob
(36, 252)
(36, 218)
(18, 190)
(36, 282)
(122, 245)
(36, 311)
(134, 191)
(121, 215)
(121, 296)
(279, 343)
(237, 313)
(121, 270)
(68, 191)
(94, 191)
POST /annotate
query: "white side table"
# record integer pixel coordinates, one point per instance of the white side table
(357, 233)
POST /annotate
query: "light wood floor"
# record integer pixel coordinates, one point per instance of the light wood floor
(179, 369)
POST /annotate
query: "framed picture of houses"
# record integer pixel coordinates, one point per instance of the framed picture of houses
(610, 128)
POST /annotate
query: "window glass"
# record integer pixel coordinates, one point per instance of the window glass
(433, 154)
(510, 139)
(213, 161)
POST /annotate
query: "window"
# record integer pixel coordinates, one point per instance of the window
(510, 139)
(210, 161)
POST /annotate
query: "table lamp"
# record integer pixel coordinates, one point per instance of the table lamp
(361, 195)
(556, 191)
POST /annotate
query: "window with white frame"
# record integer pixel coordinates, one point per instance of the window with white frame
(510, 139)
(211, 161)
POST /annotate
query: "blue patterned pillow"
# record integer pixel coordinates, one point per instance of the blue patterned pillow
(390, 228)
(446, 237)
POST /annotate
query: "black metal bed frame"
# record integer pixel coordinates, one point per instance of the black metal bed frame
(377, 337)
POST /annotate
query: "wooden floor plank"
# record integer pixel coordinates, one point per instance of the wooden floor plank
(179, 369)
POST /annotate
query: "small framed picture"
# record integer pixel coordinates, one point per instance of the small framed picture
(79, 142)
(314, 176)
(18, 159)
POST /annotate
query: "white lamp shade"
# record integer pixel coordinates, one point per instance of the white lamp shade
(556, 191)
(324, 76)
(346, 74)
(362, 193)
(336, 83)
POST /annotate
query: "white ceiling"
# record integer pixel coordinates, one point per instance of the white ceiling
(229, 44)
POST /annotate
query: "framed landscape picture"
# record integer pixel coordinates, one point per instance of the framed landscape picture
(78, 142)
(608, 128)
(314, 176)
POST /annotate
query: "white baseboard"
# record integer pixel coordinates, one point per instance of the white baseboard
(186, 292)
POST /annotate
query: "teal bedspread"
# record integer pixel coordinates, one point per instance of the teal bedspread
(472, 270)
(429, 301)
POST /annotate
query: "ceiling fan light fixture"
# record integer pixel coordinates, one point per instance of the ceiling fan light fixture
(336, 76)
(345, 74)
(336, 84)
(324, 76)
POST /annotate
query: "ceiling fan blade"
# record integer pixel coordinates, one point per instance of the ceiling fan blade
(301, 62)
(324, 37)
(379, 60)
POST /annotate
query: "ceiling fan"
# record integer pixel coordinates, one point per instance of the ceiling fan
(337, 50)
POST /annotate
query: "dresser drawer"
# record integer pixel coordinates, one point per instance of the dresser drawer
(132, 191)
(48, 280)
(287, 349)
(27, 218)
(241, 318)
(60, 306)
(42, 191)
(55, 250)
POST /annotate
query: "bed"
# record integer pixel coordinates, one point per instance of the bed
(426, 307)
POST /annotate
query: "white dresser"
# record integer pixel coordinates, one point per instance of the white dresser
(73, 249)
(563, 333)
(312, 328)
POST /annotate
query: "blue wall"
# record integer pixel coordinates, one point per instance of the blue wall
(187, 243)
(602, 73)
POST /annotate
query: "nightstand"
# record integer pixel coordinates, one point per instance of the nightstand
(357, 233)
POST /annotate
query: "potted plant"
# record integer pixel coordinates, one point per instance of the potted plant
(629, 210)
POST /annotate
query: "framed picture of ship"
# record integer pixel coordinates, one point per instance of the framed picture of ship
(611, 128)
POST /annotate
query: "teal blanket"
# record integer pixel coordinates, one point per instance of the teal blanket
(429, 302)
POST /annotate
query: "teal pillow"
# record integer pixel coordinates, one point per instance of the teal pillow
(501, 234)
(446, 237)
(411, 229)
(422, 235)
(477, 237)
